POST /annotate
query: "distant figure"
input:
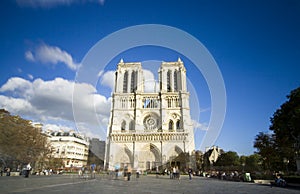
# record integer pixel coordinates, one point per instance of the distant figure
(138, 173)
(93, 170)
(125, 172)
(174, 173)
(28, 168)
(80, 173)
(279, 181)
(157, 171)
(177, 173)
(128, 174)
(7, 171)
(116, 173)
(190, 171)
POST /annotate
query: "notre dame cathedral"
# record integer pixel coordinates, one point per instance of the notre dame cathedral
(149, 130)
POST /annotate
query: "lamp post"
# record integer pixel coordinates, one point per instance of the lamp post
(297, 152)
(286, 162)
(243, 164)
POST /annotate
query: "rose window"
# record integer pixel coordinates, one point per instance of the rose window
(150, 123)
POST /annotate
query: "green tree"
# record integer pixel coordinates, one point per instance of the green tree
(229, 158)
(285, 124)
(243, 162)
(55, 163)
(253, 162)
(198, 159)
(265, 145)
(20, 142)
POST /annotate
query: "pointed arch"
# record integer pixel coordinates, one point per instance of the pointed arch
(178, 125)
(178, 150)
(129, 153)
(171, 124)
(123, 157)
(123, 126)
(132, 125)
(155, 151)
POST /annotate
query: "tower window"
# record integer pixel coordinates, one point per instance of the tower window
(169, 81)
(124, 102)
(171, 125)
(131, 125)
(123, 126)
(125, 82)
(169, 102)
(133, 82)
(178, 125)
(175, 81)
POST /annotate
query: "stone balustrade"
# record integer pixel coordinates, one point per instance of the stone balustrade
(149, 137)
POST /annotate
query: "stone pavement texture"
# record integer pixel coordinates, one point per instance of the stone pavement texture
(143, 185)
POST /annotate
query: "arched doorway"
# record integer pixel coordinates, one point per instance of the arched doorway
(124, 158)
(149, 157)
(176, 158)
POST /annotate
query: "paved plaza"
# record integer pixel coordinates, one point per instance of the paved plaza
(143, 185)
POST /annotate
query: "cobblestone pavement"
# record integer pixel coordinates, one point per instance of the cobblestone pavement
(144, 185)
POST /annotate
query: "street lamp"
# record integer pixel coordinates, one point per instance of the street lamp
(243, 164)
(286, 162)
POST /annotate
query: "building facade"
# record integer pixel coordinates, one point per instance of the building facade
(148, 130)
(70, 146)
(212, 154)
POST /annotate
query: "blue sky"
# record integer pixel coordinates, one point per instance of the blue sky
(255, 43)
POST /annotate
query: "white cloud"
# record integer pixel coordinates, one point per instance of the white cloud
(17, 86)
(54, 3)
(201, 126)
(29, 56)
(17, 106)
(30, 76)
(51, 54)
(51, 102)
(54, 127)
(205, 109)
(150, 84)
(108, 79)
(100, 73)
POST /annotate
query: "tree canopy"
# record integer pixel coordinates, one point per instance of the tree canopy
(283, 145)
(229, 158)
(20, 141)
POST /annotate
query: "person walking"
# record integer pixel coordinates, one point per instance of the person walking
(7, 171)
(190, 171)
(28, 168)
(157, 171)
(174, 173)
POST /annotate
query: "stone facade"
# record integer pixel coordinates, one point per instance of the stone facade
(148, 130)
